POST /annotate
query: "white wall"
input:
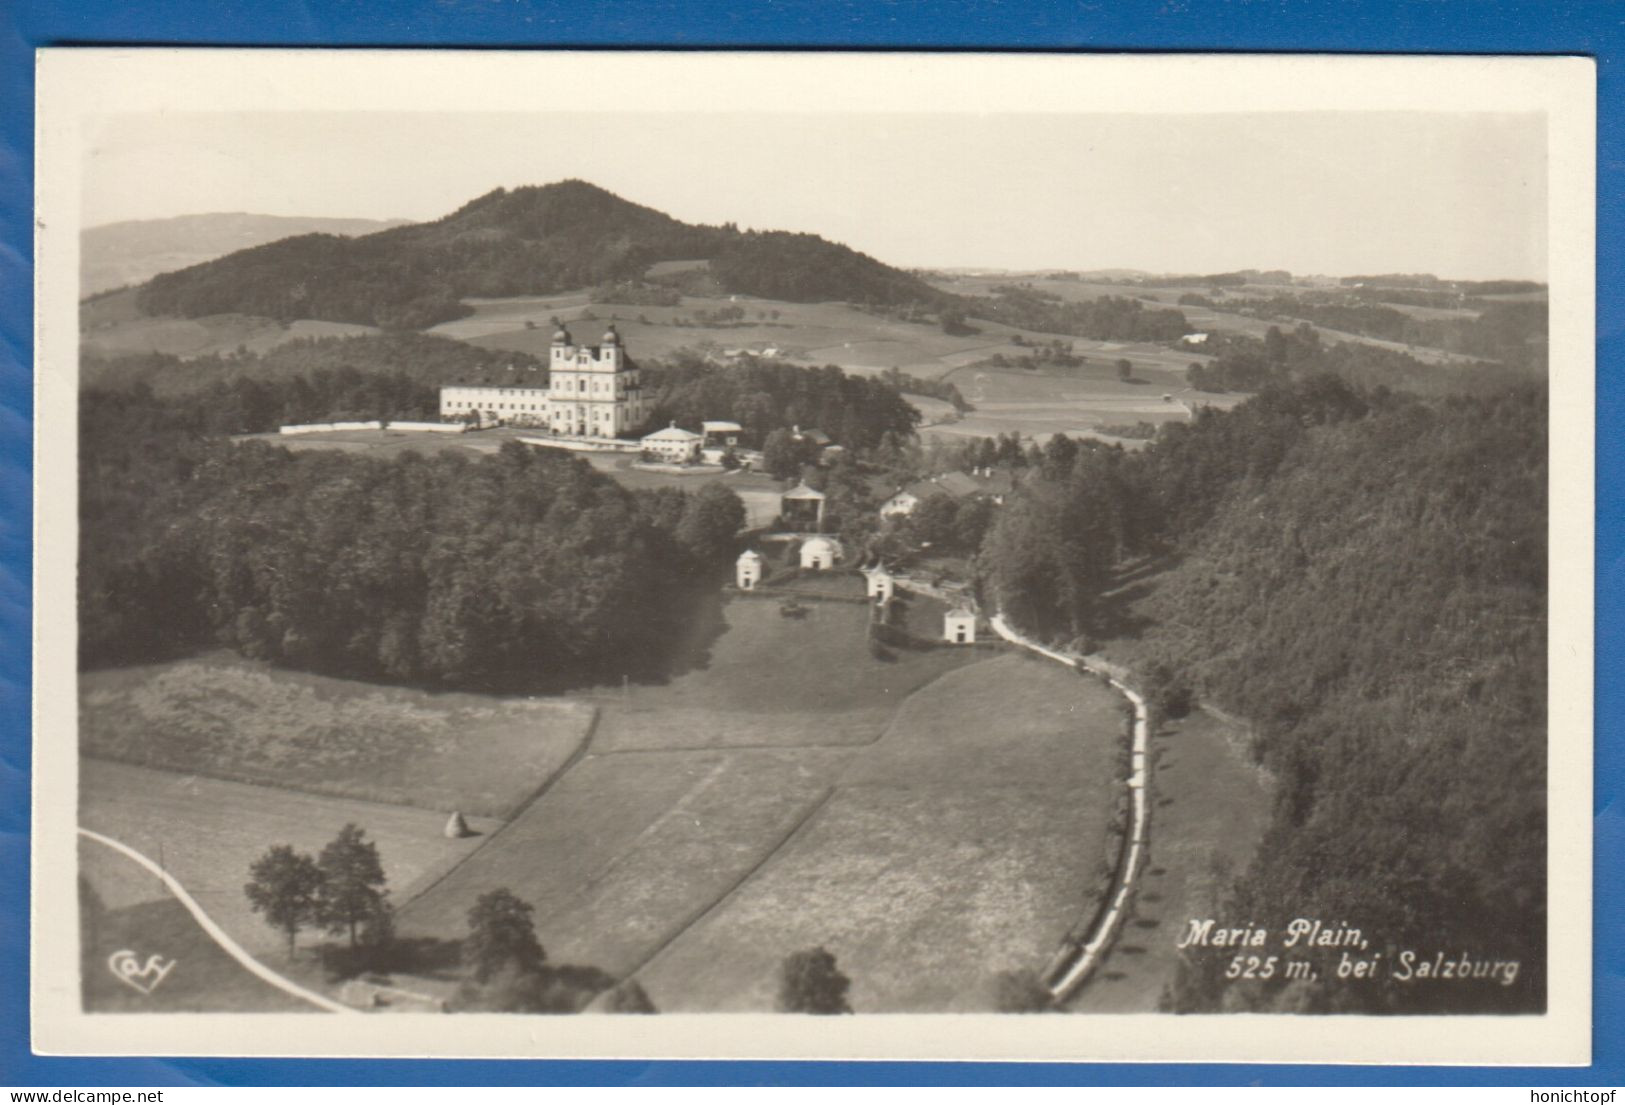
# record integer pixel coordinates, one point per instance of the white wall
(328, 427)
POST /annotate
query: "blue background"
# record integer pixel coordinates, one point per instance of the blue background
(1592, 27)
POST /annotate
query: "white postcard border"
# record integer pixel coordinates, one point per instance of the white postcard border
(75, 85)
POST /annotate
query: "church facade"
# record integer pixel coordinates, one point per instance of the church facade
(593, 391)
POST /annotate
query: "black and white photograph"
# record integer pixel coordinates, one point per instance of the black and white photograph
(814, 555)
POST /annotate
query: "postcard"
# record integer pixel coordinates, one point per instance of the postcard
(736, 555)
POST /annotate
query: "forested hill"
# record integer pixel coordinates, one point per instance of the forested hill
(532, 240)
(1363, 577)
(126, 253)
(427, 361)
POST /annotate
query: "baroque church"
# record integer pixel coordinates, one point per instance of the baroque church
(593, 392)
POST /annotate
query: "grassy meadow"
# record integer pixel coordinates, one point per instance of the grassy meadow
(760, 493)
(627, 849)
(110, 326)
(772, 680)
(233, 719)
(206, 832)
(753, 805)
(933, 817)
(961, 844)
(1203, 318)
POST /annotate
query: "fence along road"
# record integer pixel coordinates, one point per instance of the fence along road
(1073, 973)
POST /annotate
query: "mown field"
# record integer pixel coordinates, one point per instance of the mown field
(111, 326)
(388, 443)
(122, 908)
(934, 816)
(627, 849)
(206, 832)
(760, 493)
(1200, 318)
(772, 680)
(1086, 400)
(722, 821)
(833, 333)
(959, 845)
(814, 333)
(234, 719)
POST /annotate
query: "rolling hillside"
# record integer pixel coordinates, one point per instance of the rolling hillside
(532, 240)
(121, 254)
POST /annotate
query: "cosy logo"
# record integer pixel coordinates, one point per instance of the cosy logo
(128, 969)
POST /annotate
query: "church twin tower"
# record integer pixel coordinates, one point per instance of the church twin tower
(593, 390)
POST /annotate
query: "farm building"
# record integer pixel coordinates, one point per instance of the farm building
(900, 505)
(959, 626)
(987, 482)
(673, 444)
(879, 584)
(802, 507)
(820, 554)
(721, 434)
(748, 570)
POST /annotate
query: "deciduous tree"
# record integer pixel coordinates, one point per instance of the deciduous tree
(285, 886)
(353, 884)
(501, 935)
(810, 982)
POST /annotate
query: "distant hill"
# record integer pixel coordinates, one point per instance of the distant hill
(527, 241)
(122, 254)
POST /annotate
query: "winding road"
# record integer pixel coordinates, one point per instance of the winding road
(1076, 968)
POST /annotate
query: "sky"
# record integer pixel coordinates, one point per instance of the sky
(1337, 193)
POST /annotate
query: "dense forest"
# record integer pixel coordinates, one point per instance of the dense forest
(804, 268)
(763, 396)
(1362, 576)
(522, 570)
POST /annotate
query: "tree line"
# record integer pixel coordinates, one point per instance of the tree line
(1512, 333)
(763, 396)
(423, 360)
(1363, 576)
(1108, 318)
(1244, 363)
(523, 569)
